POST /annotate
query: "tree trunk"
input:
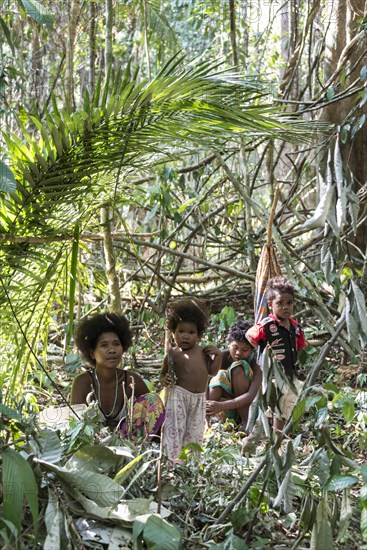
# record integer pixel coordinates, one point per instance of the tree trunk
(111, 273)
(72, 8)
(92, 48)
(108, 39)
(345, 59)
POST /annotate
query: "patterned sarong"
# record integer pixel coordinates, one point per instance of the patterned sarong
(147, 417)
(223, 378)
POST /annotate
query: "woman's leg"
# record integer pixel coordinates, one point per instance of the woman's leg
(240, 386)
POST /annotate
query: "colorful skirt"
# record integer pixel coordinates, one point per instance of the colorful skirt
(144, 417)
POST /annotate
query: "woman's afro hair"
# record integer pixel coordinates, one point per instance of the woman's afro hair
(188, 310)
(90, 329)
(238, 331)
(278, 285)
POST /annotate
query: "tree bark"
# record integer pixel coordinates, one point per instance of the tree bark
(111, 272)
(343, 65)
(92, 48)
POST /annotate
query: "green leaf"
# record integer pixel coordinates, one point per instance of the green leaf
(348, 408)
(346, 514)
(298, 412)
(321, 465)
(7, 180)
(127, 470)
(53, 521)
(38, 13)
(157, 533)
(18, 483)
(185, 205)
(98, 487)
(338, 482)
(322, 536)
(330, 92)
(7, 34)
(360, 303)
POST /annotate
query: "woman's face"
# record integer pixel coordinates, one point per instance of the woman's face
(240, 350)
(108, 351)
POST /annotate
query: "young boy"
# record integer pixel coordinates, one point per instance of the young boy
(284, 337)
(237, 383)
(186, 370)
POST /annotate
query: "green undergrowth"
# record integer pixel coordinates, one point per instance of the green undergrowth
(78, 486)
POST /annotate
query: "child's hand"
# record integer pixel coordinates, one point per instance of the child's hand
(168, 380)
(213, 407)
(212, 351)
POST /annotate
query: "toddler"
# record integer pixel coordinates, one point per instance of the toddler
(185, 371)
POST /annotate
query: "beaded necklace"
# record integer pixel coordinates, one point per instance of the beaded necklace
(107, 415)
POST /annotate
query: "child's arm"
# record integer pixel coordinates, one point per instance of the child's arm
(213, 407)
(214, 359)
(256, 335)
(165, 379)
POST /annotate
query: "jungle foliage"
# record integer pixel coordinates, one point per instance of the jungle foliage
(142, 145)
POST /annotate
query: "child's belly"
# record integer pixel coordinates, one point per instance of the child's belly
(195, 382)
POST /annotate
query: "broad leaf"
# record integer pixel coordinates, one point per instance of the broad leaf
(38, 13)
(156, 533)
(7, 180)
(19, 484)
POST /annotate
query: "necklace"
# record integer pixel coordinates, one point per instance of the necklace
(107, 415)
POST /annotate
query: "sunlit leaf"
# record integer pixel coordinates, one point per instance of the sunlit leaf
(39, 13)
(156, 533)
(338, 483)
(18, 484)
(7, 180)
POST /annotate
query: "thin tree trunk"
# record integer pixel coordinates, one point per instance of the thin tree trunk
(92, 47)
(110, 258)
(345, 57)
(146, 45)
(72, 8)
(232, 20)
(108, 57)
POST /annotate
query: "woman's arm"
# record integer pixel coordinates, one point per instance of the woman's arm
(81, 387)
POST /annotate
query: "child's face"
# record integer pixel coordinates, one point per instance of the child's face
(240, 350)
(282, 306)
(186, 335)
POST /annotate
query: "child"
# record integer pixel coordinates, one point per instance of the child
(237, 383)
(284, 337)
(190, 365)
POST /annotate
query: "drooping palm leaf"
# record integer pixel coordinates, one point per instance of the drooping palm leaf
(136, 126)
(70, 163)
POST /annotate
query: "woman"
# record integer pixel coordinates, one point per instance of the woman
(102, 339)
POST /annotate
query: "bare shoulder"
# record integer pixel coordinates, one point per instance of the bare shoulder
(81, 387)
(82, 378)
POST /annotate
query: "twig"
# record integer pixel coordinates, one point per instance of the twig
(243, 491)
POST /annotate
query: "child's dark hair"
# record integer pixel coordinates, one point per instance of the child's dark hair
(188, 310)
(90, 329)
(278, 285)
(238, 330)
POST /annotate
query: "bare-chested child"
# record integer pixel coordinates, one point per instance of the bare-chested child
(185, 372)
